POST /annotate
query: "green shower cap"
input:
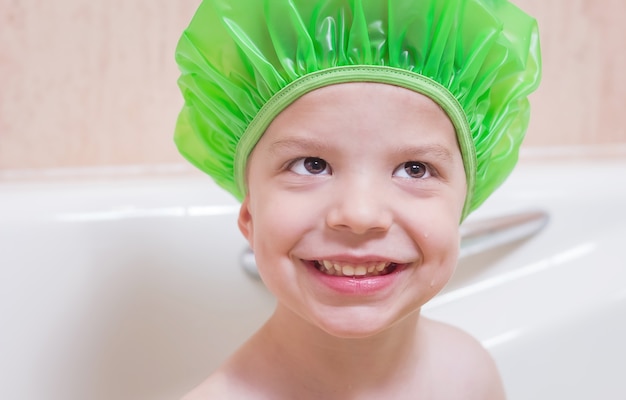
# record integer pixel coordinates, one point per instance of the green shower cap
(244, 61)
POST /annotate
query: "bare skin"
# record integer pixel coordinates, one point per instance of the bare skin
(440, 362)
(355, 176)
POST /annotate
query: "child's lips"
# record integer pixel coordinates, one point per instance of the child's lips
(362, 278)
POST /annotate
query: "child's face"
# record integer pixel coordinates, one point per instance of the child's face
(357, 177)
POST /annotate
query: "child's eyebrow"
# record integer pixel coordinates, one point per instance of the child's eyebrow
(297, 144)
(431, 150)
(410, 152)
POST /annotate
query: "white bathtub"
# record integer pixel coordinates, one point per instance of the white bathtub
(120, 285)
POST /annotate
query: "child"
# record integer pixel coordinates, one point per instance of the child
(358, 135)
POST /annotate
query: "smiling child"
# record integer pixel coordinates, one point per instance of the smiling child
(358, 135)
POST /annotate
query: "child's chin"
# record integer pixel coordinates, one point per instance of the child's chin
(354, 325)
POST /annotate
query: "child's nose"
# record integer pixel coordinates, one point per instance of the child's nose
(360, 208)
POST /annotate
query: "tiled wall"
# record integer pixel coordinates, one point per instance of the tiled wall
(93, 82)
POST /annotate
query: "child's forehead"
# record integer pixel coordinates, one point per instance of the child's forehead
(398, 119)
(345, 100)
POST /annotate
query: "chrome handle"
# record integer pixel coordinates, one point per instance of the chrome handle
(476, 236)
(485, 234)
(249, 263)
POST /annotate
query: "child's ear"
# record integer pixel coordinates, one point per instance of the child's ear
(245, 220)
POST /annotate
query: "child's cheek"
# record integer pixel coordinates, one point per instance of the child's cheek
(440, 244)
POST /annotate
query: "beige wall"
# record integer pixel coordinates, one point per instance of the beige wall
(93, 82)
(582, 98)
(89, 82)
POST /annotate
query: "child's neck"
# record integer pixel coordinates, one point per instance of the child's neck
(311, 358)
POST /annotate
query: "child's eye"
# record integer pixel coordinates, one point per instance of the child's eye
(412, 169)
(310, 166)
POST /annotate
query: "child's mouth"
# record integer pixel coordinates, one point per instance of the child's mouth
(335, 268)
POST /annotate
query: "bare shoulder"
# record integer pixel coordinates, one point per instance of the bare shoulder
(215, 386)
(463, 365)
(240, 377)
(223, 385)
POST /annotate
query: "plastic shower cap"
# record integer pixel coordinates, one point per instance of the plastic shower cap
(244, 61)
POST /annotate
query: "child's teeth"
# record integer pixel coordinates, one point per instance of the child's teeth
(348, 270)
(336, 269)
(360, 271)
